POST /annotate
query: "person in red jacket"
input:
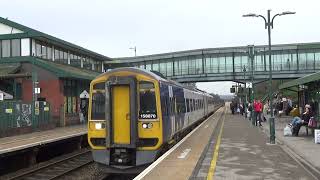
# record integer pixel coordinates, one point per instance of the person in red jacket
(257, 106)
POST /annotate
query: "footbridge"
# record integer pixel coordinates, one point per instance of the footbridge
(237, 64)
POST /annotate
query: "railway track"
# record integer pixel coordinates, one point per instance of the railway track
(56, 169)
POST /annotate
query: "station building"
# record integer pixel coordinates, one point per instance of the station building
(35, 66)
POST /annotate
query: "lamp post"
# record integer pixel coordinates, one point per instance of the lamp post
(135, 50)
(251, 55)
(245, 91)
(268, 25)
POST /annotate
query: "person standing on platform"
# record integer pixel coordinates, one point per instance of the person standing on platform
(265, 110)
(250, 111)
(241, 108)
(257, 106)
(232, 107)
(254, 104)
(290, 107)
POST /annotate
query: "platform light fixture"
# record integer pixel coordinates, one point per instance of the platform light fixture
(135, 50)
(287, 12)
(268, 25)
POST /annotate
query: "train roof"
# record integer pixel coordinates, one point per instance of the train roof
(152, 75)
(136, 70)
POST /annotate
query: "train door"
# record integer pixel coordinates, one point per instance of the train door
(121, 112)
(203, 105)
(173, 110)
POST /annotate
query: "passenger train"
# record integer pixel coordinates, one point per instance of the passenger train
(135, 114)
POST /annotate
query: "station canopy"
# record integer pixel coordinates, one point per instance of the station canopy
(300, 81)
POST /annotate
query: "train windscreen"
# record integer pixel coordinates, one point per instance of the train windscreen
(98, 102)
(148, 108)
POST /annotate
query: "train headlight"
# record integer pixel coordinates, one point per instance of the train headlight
(147, 125)
(98, 126)
(144, 126)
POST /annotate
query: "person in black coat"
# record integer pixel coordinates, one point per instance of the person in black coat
(297, 122)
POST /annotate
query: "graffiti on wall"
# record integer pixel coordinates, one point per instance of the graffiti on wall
(23, 115)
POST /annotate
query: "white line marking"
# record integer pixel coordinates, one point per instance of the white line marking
(161, 158)
(184, 153)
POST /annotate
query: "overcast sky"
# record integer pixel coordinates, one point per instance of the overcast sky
(111, 27)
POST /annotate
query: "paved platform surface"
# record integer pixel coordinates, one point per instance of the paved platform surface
(180, 163)
(245, 154)
(303, 145)
(14, 143)
(229, 149)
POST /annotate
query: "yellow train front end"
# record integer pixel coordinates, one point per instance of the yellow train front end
(124, 127)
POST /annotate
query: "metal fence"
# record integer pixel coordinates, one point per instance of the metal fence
(16, 114)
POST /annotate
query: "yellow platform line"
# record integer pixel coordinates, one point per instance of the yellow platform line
(216, 153)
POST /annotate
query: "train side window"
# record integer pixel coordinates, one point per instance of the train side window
(172, 105)
(167, 106)
(147, 101)
(174, 109)
(187, 105)
(194, 104)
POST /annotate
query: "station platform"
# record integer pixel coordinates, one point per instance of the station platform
(180, 161)
(226, 146)
(16, 143)
(303, 146)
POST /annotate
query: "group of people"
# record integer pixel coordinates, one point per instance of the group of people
(283, 105)
(237, 107)
(257, 110)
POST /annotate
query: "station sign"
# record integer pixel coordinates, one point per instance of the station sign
(84, 95)
(36, 108)
(37, 90)
(36, 104)
(36, 111)
(9, 111)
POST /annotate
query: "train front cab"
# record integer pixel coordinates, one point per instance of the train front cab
(124, 120)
